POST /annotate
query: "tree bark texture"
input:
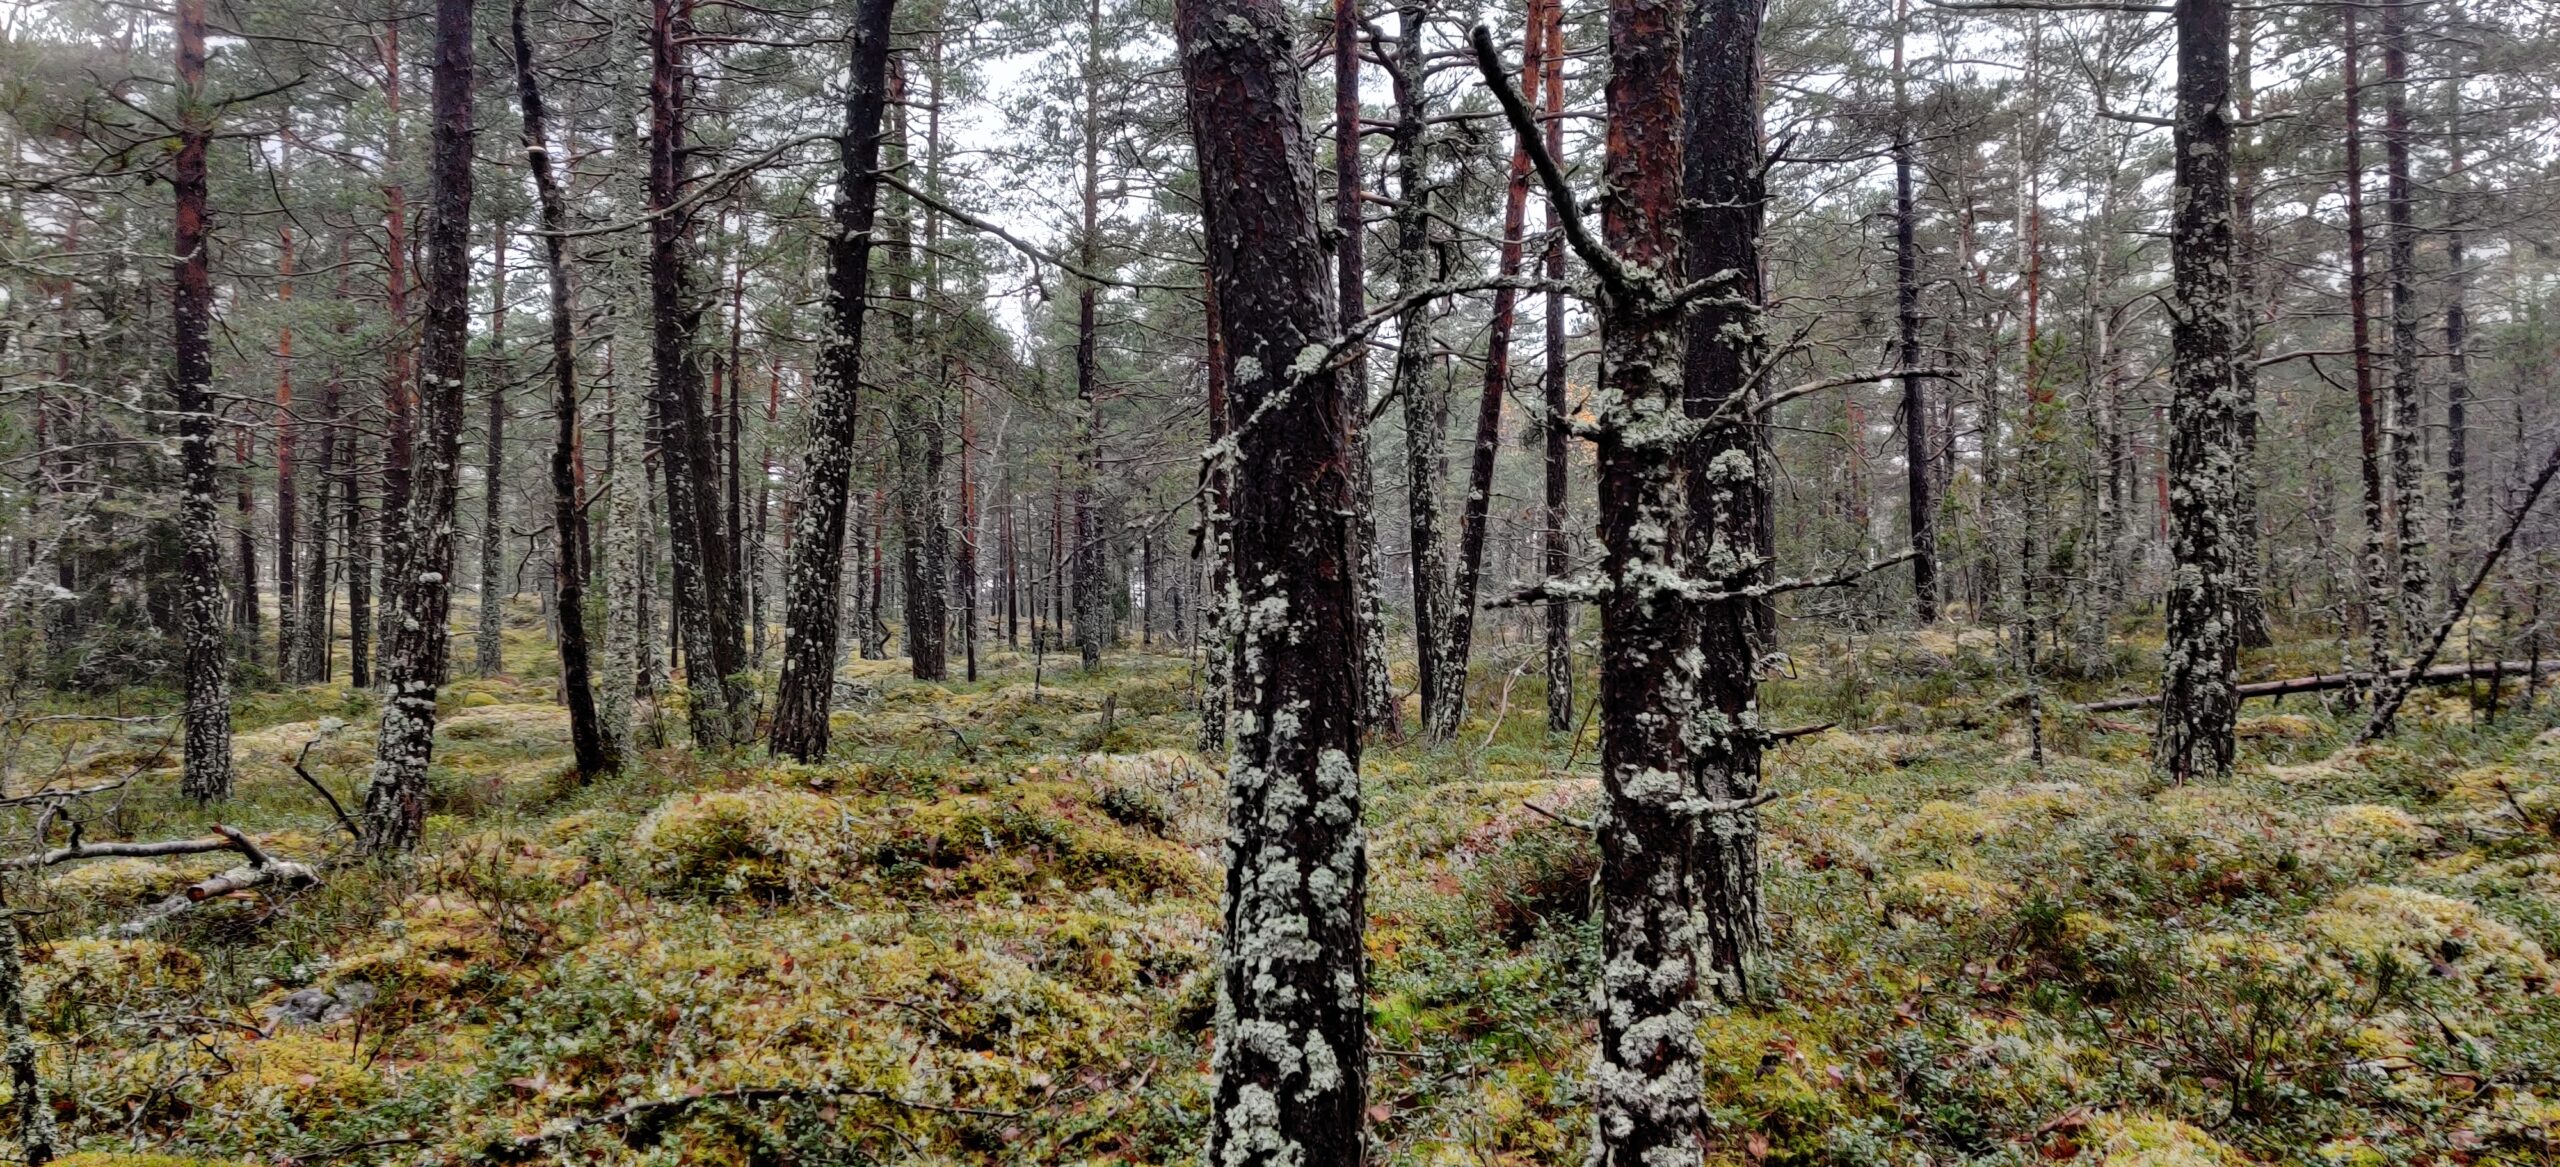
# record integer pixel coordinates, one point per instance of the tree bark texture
(1725, 472)
(2198, 705)
(207, 771)
(414, 659)
(1292, 995)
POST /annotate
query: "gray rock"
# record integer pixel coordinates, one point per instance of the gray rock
(319, 1006)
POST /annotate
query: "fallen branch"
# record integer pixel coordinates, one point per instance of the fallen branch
(2439, 675)
(344, 820)
(2387, 701)
(79, 850)
(1788, 735)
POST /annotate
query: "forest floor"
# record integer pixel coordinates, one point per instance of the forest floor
(985, 935)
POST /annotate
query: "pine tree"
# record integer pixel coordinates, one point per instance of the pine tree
(1292, 996)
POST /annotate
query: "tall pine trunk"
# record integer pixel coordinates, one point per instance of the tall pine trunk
(814, 579)
(1555, 427)
(1721, 200)
(1217, 608)
(2400, 261)
(1292, 995)
(595, 752)
(288, 592)
(2249, 597)
(2378, 598)
(1497, 382)
(414, 658)
(2197, 698)
(705, 599)
(488, 657)
(1377, 692)
(1417, 385)
(207, 774)
(1918, 446)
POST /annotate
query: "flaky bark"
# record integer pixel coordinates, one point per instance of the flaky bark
(1292, 1001)
(207, 718)
(1721, 200)
(414, 658)
(2249, 599)
(814, 580)
(2197, 705)
(488, 655)
(313, 635)
(1645, 1079)
(1920, 477)
(288, 593)
(1377, 692)
(1217, 608)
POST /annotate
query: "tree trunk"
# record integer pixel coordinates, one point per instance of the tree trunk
(414, 658)
(1497, 382)
(1291, 1057)
(2457, 361)
(1377, 691)
(1442, 680)
(1093, 607)
(244, 544)
(312, 650)
(2248, 557)
(207, 718)
(2377, 587)
(288, 515)
(1556, 427)
(489, 646)
(2408, 485)
(1217, 609)
(705, 599)
(595, 751)
(399, 394)
(1721, 201)
(1917, 445)
(814, 578)
(2197, 704)
(1646, 1074)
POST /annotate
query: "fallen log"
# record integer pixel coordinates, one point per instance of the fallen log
(223, 839)
(2439, 675)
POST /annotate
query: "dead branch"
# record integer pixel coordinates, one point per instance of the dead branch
(344, 820)
(2439, 675)
(2387, 701)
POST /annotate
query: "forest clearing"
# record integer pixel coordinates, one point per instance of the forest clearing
(986, 934)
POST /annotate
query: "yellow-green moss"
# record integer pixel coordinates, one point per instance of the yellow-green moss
(2143, 1140)
(296, 1076)
(1941, 830)
(762, 840)
(1947, 895)
(77, 975)
(2422, 930)
(129, 1159)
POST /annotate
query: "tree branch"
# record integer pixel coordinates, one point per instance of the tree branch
(1524, 124)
